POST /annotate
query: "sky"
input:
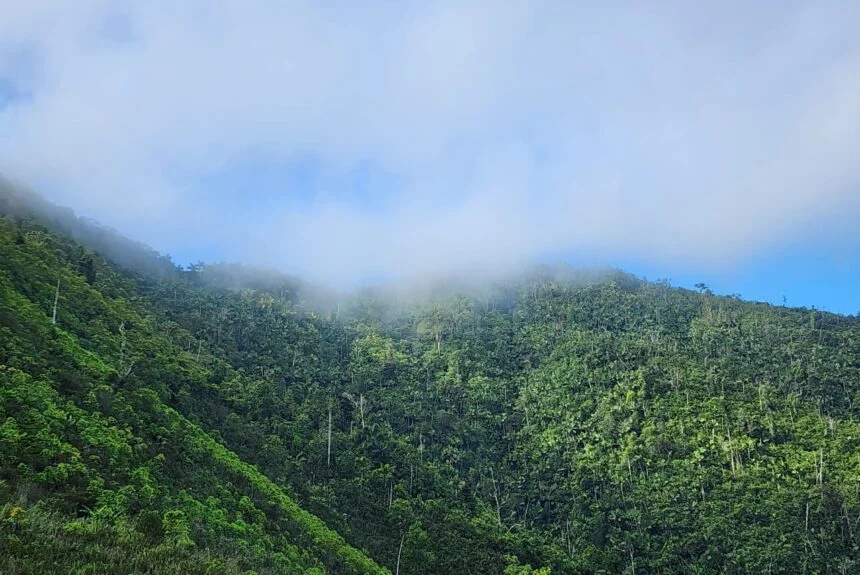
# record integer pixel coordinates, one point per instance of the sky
(351, 141)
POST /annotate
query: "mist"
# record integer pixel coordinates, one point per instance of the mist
(343, 141)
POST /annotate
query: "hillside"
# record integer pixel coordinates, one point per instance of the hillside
(225, 420)
(102, 467)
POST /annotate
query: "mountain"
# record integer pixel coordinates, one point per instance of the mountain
(223, 419)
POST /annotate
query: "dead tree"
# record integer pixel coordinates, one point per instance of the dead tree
(56, 299)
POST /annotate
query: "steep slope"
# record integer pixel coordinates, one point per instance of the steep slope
(99, 474)
(562, 420)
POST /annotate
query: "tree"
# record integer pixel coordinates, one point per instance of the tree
(86, 266)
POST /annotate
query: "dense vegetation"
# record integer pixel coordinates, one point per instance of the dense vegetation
(223, 420)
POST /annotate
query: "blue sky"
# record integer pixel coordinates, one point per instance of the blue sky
(348, 141)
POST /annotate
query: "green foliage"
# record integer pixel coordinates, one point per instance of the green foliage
(90, 446)
(177, 421)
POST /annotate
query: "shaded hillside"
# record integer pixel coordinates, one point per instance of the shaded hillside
(559, 420)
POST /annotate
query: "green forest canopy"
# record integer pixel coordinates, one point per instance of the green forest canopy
(222, 419)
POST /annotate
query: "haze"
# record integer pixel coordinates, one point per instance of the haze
(343, 140)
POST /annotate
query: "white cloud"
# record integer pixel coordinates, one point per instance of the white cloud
(511, 129)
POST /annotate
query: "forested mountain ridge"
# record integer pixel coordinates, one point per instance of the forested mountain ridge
(200, 420)
(99, 473)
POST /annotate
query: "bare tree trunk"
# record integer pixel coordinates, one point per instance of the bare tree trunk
(496, 497)
(569, 542)
(56, 299)
(526, 514)
(125, 366)
(399, 551)
(632, 562)
(820, 467)
(328, 453)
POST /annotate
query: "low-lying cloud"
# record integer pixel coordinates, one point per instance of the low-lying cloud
(439, 134)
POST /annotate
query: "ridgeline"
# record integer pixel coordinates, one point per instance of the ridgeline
(220, 419)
